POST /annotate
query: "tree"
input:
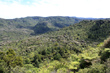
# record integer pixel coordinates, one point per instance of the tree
(10, 59)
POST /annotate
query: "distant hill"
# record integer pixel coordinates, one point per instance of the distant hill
(54, 23)
(19, 28)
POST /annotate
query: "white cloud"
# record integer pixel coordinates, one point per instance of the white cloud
(80, 8)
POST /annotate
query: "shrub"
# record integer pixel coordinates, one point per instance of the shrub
(57, 56)
(62, 70)
(2, 70)
(107, 43)
(95, 68)
(27, 61)
(85, 63)
(105, 54)
(107, 63)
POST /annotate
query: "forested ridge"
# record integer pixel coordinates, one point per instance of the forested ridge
(20, 28)
(80, 48)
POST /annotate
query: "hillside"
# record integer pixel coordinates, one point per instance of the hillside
(88, 30)
(15, 29)
(78, 48)
(77, 34)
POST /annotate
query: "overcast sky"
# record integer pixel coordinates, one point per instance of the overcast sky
(80, 8)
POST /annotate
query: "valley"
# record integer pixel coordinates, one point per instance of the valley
(54, 45)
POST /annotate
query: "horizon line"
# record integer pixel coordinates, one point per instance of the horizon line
(57, 16)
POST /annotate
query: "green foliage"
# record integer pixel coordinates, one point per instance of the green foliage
(105, 54)
(107, 64)
(16, 29)
(27, 61)
(2, 67)
(74, 65)
(71, 49)
(85, 63)
(100, 30)
(41, 27)
(62, 70)
(57, 56)
(54, 53)
(9, 60)
(95, 68)
(107, 43)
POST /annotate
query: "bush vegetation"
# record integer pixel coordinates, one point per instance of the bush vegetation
(74, 49)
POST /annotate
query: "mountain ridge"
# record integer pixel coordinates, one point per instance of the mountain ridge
(25, 26)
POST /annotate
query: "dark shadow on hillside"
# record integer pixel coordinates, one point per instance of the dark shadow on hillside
(41, 28)
(100, 30)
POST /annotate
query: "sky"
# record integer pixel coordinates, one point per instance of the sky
(10, 9)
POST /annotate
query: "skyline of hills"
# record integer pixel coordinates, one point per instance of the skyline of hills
(24, 27)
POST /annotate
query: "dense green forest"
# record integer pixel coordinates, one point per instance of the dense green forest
(20, 28)
(55, 45)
